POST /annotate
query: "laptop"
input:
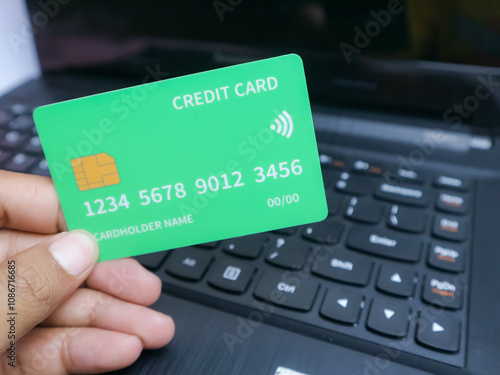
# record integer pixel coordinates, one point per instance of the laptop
(402, 276)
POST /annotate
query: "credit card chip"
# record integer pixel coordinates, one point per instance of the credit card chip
(95, 171)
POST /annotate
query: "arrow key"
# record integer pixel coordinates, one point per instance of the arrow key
(399, 280)
(440, 332)
(342, 306)
(389, 318)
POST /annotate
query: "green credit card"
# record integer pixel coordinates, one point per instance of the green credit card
(188, 160)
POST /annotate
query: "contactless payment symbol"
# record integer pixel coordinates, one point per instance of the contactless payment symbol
(284, 124)
(95, 171)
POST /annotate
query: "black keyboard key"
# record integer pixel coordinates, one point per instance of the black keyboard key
(440, 332)
(443, 291)
(5, 117)
(365, 210)
(329, 177)
(13, 139)
(455, 183)
(188, 263)
(33, 146)
(231, 275)
(287, 253)
(287, 290)
(364, 167)
(152, 261)
(354, 184)
(334, 202)
(342, 306)
(447, 257)
(23, 122)
(402, 175)
(451, 228)
(327, 232)
(20, 163)
(397, 280)
(42, 168)
(407, 219)
(453, 203)
(246, 247)
(389, 318)
(328, 161)
(403, 193)
(209, 245)
(20, 109)
(344, 266)
(393, 178)
(410, 175)
(384, 243)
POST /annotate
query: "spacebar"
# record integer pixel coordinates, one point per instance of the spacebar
(384, 243)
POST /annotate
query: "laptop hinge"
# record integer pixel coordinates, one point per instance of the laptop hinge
(390, 132)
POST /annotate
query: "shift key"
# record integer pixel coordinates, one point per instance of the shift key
(385, 243)
(284, 289)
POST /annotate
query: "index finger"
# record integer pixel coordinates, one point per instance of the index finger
(29, 203)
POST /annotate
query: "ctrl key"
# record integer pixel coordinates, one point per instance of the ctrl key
(440, 332)
(284, 289)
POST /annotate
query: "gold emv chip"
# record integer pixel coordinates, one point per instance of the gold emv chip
(95, 171)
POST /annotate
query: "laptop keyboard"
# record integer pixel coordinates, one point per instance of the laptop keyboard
(389, 265)
(20, 148)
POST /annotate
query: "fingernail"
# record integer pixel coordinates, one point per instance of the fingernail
(75, 251)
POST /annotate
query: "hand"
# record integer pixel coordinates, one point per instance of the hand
(73, 315)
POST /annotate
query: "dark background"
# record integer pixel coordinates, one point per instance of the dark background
(459, 31)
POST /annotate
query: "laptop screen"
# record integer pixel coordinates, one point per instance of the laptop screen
(459, 31)
(356, 48)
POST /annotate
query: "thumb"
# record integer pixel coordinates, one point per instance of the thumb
(35, 281)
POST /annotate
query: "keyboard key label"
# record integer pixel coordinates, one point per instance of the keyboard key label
(443, 292)
(189, 160)
(231, 273)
